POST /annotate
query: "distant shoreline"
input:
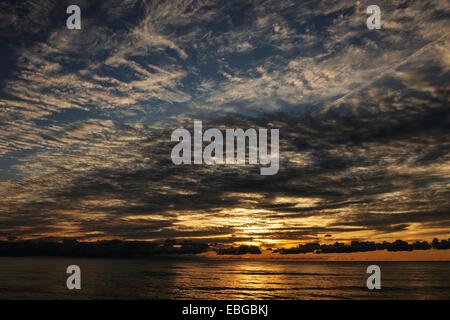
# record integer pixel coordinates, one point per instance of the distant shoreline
(437, 250)
(381, 256)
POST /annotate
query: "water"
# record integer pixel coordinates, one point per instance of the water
(45, 278)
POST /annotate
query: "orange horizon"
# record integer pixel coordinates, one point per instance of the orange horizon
(417, 255)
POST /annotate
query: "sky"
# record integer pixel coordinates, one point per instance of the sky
(86, 118)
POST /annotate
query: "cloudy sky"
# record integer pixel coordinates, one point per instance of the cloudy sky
(86, 118)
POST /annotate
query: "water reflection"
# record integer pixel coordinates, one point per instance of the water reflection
(44, 278)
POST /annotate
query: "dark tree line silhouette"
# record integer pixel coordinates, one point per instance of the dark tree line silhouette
(243, 249)
(127, 249)
(109, 248)
(365, 246)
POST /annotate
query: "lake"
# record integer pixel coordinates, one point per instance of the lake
(192, 278)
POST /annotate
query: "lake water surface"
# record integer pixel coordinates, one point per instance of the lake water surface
(45, 278)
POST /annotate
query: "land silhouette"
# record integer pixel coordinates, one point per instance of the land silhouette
(142, 249)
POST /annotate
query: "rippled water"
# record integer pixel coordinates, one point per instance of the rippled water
(45, 278)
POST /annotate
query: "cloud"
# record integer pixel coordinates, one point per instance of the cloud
(86, 118)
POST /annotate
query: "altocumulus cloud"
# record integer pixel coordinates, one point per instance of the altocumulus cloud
(86, 118)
